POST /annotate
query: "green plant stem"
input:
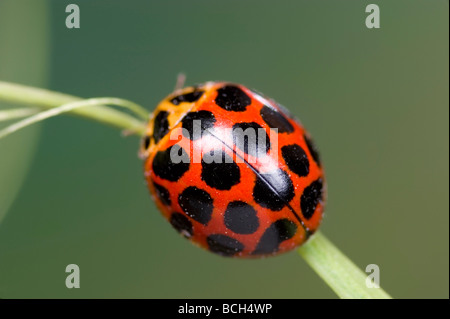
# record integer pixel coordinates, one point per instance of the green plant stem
(69, 107)
(339, 272)
(45, 99)
(7, 115)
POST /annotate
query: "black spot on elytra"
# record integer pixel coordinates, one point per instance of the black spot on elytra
(251, 138)
(312, 195)
(163, 194)
(275, 234)
(146, 142)
(182, 224)
(188, 97)
(160, 126)
(223, 175)
(197, 204)
(224, 245)
(312, 149)
(241, 218)
(164, 167)
(296, 159)
(275, 119)
(278, 194)
(206, 119)
(232, 98)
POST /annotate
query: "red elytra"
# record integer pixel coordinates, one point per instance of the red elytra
(233, 194)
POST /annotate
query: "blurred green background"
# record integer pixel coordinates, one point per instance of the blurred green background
(376, 102)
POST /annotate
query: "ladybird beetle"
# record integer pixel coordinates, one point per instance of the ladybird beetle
(231, 193)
